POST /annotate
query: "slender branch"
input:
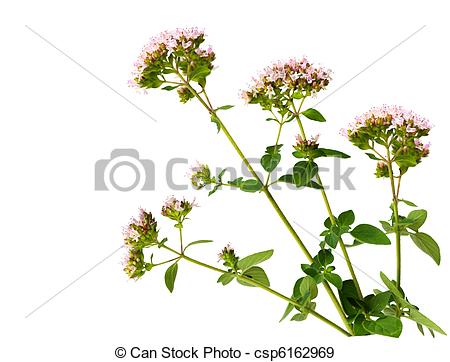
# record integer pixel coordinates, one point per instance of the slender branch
(276, 144)
(396, 217)
(330, 213)
(181, 238)
(399, 179)
(297, 116)
(165, 262)
(379, 154)
(340, 241)
(261, 286)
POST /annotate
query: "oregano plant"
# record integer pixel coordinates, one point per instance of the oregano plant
(178, 61)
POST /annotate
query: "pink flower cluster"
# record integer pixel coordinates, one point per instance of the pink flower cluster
(140, 232)
(397, 129)
(199, 175)
(307, 145)
(130, 232)
(393, 116)
(177, 209)
(160, 47)
(297, 75)
(424, 147)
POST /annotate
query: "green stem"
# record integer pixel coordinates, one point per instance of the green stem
(399, 180)
(165, 262)
(330, 214)
(181, 238)
(297, 116)
(261, 286)
(396, 218)
(276, 144)
(340, 241)
(377, 153)
(269, 196)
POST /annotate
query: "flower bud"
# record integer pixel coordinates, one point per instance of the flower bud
(185, 94)
(141, 232)
(199, 175)
(229, 257)
(382, 169)
(133, 264)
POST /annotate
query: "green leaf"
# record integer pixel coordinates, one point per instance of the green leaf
(405, 160)
(427, 244)
(236, 182)
(310, 270)
(151, 80)
(418, 317)
(325, 257)
(346, 218)
(170, 87)
(298, 95)
(287, 178)
(215, 188)
(372, 156)
(409, 203)
(332, 240)
(314, 185)
(326, 152)
(386, 326)
(228, 106)
(369, 234)
(250, 185)
(387, 226)
(254, 259)
(391, 286)
(378, 302)
(358, 328)
(197, 242)
(418, 218)
(287, 311)
(273, 149)
(256, 273)
(170, 276)
(420, 328)
(334, 279)
(308, 287)
(314, 115)
(226, 278)
(216, 120)
(355, 243)
(327, 223)
(299, 317)
(304, 171)
(198, 74)
(299, 154)
(270, 161)
(347, 294)
(220, 175)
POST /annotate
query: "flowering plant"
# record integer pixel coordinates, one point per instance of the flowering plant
(177, 60)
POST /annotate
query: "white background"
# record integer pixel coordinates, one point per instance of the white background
(57, 120)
